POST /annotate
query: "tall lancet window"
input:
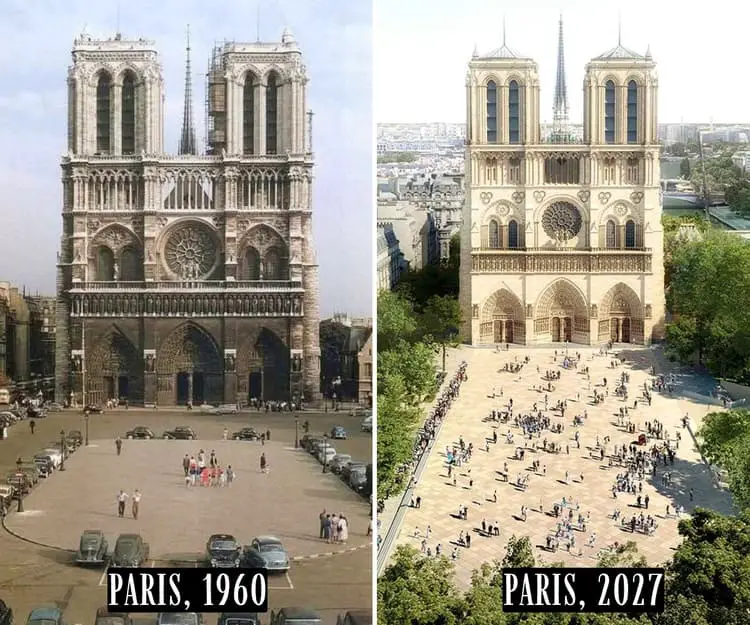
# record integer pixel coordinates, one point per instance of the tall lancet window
(514, 113)
(632, 112)
(128, 114)
(491, 112)
(103, 113)
(609, 112)
(248, 114)
(272, 109)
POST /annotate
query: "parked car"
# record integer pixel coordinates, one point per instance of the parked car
(179, 618)
(352, 466)
(326, 454)
(366, 425)
(44, 458)
(358, 478)
(55, 454)
(20, 482)
(93, 409)
(76, 436)
(298, 616)
(338, 433)
(238, 618)
(312, 444)
(7, 494)
(246, 434)
(360, 412)
(227, 409)
(181, 432)
(140, 432)
(223, 551)
(338, 461)
(54, 407)
(271, 549)
(130, 550)
(105, 617)
(92, 548)
(31, 470)
(6, 614)
(44, 467)
(250, 558)
(46, 616)
(359, 617)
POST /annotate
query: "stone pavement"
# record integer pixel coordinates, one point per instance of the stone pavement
(176, 520)
(467, 419)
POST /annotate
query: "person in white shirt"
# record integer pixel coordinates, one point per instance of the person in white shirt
(121, 499)
(136, 503)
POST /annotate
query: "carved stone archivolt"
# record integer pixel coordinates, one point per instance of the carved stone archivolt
(113, 353)
(502, 304)
(115, 237)
(621, 301)
(561, 221)
(191, 251)
(561, 298)
(561, 263)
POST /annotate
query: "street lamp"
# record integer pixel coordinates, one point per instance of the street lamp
(62, 450)
(86, 421)
(20, 479)
(296, 432)
(325, 453)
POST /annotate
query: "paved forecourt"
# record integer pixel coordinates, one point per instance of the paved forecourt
(177, 520)
(478, 480)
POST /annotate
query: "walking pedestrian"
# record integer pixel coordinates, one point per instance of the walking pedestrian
(263, 464)
(136, 503)
(122, 497)
(118, 445)
(226, 433)
(322, 518)
(186, 464)
(32, 425)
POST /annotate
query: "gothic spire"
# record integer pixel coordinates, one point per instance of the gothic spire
(560, 107)
(187, 136)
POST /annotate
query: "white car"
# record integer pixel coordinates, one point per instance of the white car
(7, 492)
(367, 424)
(326, 454)
(55, 455)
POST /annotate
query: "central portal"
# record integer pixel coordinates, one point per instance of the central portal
(190, 387)
(562, 329)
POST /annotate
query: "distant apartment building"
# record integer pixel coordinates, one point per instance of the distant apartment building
(390, 258)
(346, 358)
(742, 160)
(27, 338)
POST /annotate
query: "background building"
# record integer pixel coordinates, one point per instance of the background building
(346, 358)
(188, 277)
(390, 259)
(562, 237)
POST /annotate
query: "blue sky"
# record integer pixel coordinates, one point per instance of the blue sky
(336, 39)
(422, 48)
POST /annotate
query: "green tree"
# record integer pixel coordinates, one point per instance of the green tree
(685, 168)
(333, 336)
(414, 364)
(420, 285)
(519, 552)
(454, 251)
(484, 599)
(397, 157)
(396, 320)
(626, 555)
(415, 590)
(441, 320)
(396, 423)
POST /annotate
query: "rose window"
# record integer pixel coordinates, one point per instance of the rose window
(561, 221)
(191, 252)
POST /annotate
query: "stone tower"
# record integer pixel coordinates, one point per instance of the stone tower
(562, 239)
(188, 277)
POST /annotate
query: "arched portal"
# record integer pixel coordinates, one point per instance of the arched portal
(621, 316)
(561, 314)
(502, 319)
(105, 264)
(114, 370)
(189, 367)
(263, 367)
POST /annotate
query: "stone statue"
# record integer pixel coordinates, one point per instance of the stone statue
(150, 363)
(229, 363)
(116, 272)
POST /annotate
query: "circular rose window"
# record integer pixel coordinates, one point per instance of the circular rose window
(190, 252)
(561, 221)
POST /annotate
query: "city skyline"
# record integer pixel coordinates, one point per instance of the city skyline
(33, 117)
(417, 32)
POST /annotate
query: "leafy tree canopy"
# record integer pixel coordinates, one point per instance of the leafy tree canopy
(396, 319)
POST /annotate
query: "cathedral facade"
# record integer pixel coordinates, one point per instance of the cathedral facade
(562, 237)
(188, 277)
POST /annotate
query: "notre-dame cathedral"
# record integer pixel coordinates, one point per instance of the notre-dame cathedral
(190, 276)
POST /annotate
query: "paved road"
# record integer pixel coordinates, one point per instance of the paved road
(32, 575)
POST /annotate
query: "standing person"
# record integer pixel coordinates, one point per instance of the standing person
(212, 461)
(136, 503)
(226, 433)
(343, 529)
(186, 464)
(230, 475)
(32, 425)
(268, 435)
(263, 464)
(118, 445)
(322, 518)
(121, 499)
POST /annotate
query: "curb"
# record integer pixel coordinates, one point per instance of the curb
(314, 556)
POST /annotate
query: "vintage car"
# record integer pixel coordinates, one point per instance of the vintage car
(105, 617)
(338, 433)
(76, 437)
(6, 614)
(238, 618)
(179, 618)
(366, 425)
(46, 616)
(181, 432)
(271, 549)
(251, 559)
(7, 493)
(338, 462)
(20, 482)
(223, 551)
(92, 548)
(140, 432)
(246, 434)
(54, 407)
(358, 617)
(299, 616)
(130, 551)
(93, 409)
